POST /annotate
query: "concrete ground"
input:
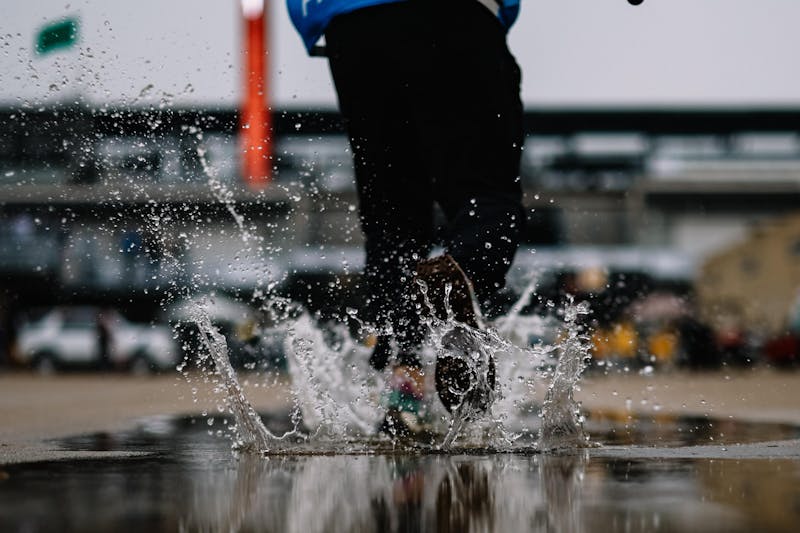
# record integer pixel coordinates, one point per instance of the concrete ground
(34, 409)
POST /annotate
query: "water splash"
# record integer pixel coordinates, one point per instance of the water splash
(222, 194)
(336, 391)
(337, 396)
(561, 419)
(478, 349)
(501, 348)
(250, 433)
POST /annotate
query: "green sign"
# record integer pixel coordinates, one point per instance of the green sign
(61, 34)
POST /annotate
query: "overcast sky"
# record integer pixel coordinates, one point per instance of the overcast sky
(572, 53)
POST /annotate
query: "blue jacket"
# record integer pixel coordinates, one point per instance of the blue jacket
(311, 17)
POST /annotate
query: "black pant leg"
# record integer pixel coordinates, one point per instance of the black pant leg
(430, 94)
(368, 62)
(471, 111)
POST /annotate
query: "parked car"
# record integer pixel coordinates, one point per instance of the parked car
(783, 350)
(94, 337)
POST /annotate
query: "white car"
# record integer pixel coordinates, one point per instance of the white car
(71, 337)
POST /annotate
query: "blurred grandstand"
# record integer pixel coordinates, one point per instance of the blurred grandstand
(124, 197)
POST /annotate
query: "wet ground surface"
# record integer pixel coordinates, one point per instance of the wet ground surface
(651, 474)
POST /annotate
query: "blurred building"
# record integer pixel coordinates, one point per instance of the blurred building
(754, 285)
(110, 199)
(120, 176)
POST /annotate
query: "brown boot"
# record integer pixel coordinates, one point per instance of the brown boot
(455, 378)
(436, 274)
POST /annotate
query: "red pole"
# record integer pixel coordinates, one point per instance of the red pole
(256, 120)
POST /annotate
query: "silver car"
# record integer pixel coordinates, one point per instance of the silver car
(93, 337)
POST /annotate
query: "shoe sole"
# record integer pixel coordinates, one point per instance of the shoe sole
(455, 378)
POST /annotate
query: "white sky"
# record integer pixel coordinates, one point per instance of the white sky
(572, 53)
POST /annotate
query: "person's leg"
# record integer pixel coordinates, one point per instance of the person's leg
(367, 51)
(472, 120)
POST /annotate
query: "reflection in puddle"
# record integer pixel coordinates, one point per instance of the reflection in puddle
(191, 482)
(571, 493)
(399, 493)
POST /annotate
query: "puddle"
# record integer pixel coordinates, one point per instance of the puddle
(190, 481)
(608, 429)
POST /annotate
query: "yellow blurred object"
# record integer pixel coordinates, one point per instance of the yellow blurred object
(600, 344)
(624, 341)
(663, 345)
